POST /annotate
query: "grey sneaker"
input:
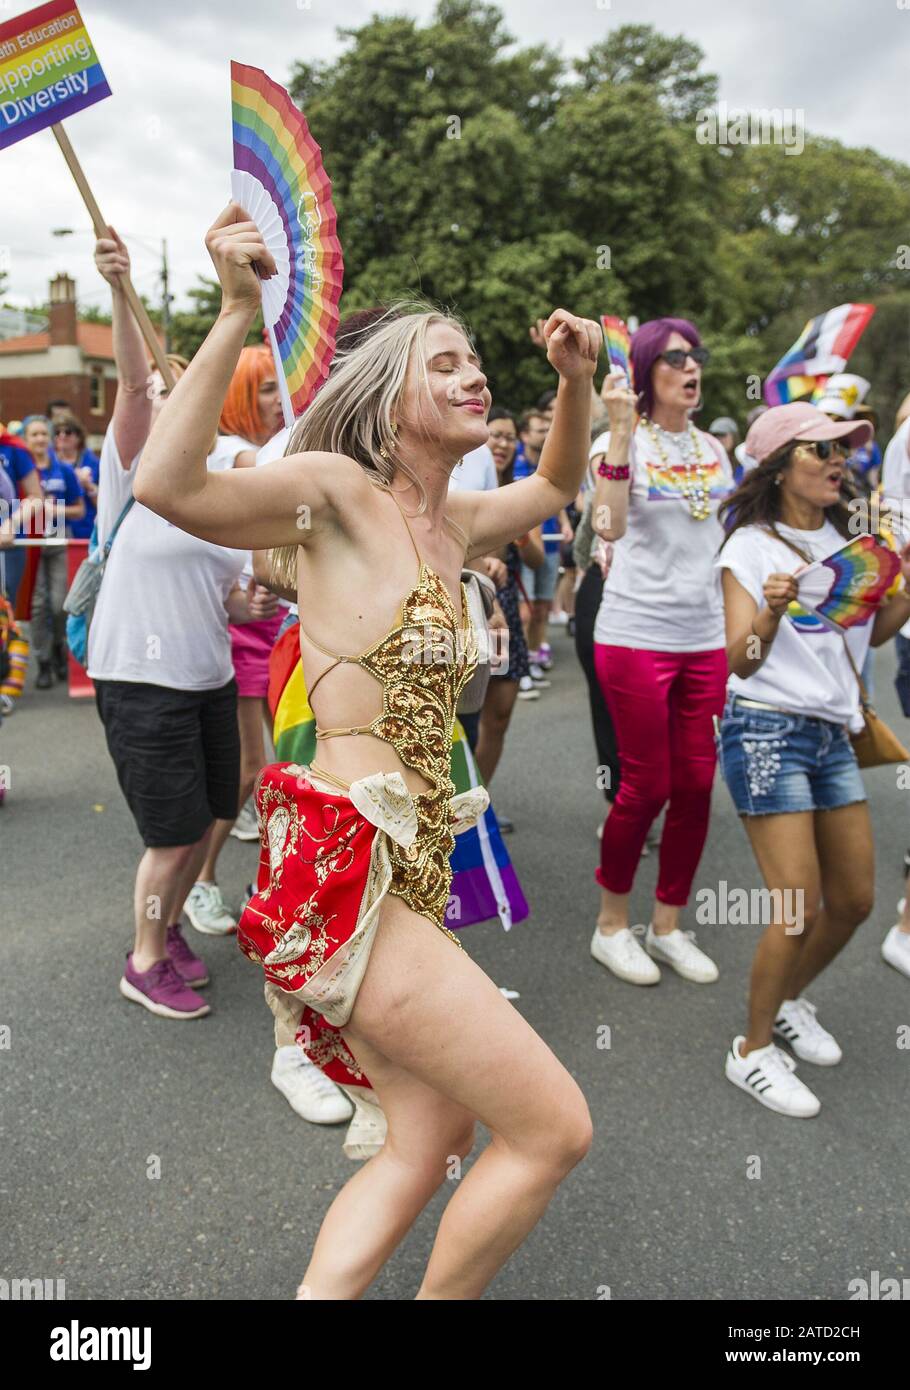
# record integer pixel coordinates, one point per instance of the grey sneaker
(207, 910)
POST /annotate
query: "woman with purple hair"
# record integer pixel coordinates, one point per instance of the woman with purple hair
(659, 642)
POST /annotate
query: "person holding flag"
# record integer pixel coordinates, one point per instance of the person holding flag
(783, 742)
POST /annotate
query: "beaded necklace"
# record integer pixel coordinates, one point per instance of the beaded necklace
(695, 488)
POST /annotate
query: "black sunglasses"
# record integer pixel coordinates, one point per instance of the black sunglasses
(824, 449)
(678, 357)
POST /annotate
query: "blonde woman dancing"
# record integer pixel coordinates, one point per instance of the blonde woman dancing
(349, 922)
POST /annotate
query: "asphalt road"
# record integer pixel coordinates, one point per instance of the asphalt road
(663, 1208)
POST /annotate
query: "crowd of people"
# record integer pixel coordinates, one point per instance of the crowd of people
(668, 552)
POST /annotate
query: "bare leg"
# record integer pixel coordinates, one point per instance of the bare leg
(163, 880)
(432, 1016)
(847, 859)
(494, 721)
(537, 627)
(565, 593)
(784, 846)
(614, 912)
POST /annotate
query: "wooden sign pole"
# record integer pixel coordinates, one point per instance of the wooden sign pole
(98, 222)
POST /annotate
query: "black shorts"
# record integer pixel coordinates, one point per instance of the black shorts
(177, 755)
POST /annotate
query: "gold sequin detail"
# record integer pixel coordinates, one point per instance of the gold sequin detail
(422, 666)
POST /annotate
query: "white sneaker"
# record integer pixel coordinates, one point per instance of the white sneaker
(207, 910)
(246, 826)
(678, 949)
(796, 1024)
(527, 689)
(307, 1090)
(621, 953)
(367, 1131)
(896, 950)
(538, 678)
(769, 1075)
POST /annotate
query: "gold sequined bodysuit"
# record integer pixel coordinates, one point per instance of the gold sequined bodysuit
(422, 665)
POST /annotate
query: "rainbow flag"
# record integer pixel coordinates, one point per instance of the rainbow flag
(821, 349)
(48, 70)
(618, 344)
(798, 388)
(846, 589)
(484, 882)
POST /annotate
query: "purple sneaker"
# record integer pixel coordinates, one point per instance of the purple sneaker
(161, 991)
(189, 967)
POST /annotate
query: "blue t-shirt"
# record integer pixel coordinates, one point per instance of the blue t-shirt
(551, 530)
(82, 529)
(59, 482)
(16, 460)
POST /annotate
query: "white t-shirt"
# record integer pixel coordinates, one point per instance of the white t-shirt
(896, 480)
(663, 593)
(160, 617)
(806, 670)
(896, 464)
(475, 473)
(224, 454)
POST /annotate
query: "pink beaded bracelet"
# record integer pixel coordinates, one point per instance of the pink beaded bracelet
(615, 473)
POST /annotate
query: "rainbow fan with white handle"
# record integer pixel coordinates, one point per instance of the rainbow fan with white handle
(279, 179)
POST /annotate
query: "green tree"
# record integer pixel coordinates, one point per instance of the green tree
(636, 54)
(190, 327)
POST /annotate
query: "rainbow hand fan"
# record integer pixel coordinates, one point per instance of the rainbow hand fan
(846, 589)
(618, 344)
(279, 179)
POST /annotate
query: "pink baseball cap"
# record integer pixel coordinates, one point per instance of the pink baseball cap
(784, 424)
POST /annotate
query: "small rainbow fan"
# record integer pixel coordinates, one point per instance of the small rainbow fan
(846, 589)
(279, 179)
(618, 344)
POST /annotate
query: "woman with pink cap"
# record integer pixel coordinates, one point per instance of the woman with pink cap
(783, 741)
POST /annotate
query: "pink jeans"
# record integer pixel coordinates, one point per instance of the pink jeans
(661, 704)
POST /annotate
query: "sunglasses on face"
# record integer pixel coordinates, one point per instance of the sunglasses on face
(824, 449)
(678, 357)
(64, 429)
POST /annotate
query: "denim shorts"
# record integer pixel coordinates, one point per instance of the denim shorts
(774, 762)
(541, 583)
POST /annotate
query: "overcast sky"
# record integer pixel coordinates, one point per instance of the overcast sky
(158, 153)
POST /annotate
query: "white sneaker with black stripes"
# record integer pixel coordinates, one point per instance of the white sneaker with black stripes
(769, 1075)
(797, 1025)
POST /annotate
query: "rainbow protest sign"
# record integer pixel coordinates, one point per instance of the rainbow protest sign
(48, 70)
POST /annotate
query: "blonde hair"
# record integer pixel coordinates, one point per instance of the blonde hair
(354, 412)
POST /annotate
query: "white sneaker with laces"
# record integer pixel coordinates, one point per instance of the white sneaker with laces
(678, 950)
(538, 678)
(246, 826)
(896, 950)
(770, 1076)
(527, 689)
(307, 1090)
(796, 1024)
(621, 953)
(208, 911)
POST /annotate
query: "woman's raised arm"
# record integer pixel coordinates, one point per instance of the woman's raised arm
(492, 519)
(249, 508)
(132, 417)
